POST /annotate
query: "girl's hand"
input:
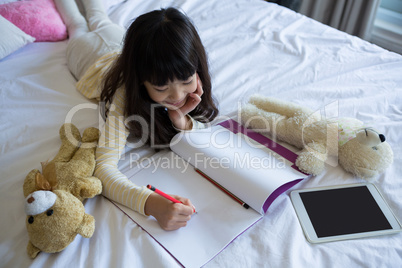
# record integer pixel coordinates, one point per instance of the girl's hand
(178, 117)
(170, 216)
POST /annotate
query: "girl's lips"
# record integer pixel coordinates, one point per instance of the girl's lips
(176, 104)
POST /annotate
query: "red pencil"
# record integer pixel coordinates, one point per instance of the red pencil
(168, 197)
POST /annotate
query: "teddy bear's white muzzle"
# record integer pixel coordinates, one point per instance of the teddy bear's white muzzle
(370, 137)
(39, 201)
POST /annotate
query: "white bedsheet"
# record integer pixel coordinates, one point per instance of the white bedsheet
(253, 47)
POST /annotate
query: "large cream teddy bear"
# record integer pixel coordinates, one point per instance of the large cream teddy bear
(359, 150)
(53, 204)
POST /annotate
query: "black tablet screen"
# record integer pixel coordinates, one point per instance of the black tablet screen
(343, 211)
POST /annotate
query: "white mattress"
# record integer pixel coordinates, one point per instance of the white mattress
(253, 47)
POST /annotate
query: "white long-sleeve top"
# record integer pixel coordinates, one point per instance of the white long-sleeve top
(116, 186)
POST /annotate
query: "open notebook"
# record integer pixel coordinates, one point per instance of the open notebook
(249, 165)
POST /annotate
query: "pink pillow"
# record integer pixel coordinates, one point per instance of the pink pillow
(38, 18)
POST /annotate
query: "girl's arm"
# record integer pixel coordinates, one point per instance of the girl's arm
(116, 185)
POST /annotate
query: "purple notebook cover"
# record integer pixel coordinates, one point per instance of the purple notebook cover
(235, 127)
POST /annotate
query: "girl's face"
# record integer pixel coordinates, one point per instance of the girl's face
(174, 94)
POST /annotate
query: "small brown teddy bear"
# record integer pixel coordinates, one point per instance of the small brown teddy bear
(54, 208)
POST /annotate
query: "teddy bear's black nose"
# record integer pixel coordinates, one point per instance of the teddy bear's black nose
(382, 137)
(30, 220)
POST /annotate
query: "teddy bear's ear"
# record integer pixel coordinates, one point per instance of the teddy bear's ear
(29, 182)
(87, 226)
(32, 250)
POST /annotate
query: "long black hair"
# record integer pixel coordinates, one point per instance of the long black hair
(159, 46)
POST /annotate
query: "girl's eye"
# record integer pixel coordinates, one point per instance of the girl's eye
(160, 89)
(188, 82)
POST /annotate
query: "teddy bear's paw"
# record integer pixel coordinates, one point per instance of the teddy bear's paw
(87, 226)
(309, 163)
(90, 135)
(71, 133)
(91, 187)
(32, 250)
(364, 173)
(311, 159)
(280, 107)
(269, 104)
(259, 120)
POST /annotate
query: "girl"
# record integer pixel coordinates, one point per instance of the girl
(151, 88)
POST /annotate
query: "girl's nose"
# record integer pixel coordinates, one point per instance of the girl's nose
(177, 94)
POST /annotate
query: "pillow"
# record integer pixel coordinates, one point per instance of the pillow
(12, 38)
(38, 18)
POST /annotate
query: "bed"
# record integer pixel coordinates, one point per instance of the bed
(253, 47)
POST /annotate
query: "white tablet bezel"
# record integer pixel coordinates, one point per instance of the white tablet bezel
(309, 229)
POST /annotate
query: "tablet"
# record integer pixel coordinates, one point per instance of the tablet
(343, 212)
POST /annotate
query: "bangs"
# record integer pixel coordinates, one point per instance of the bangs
(169, 55)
